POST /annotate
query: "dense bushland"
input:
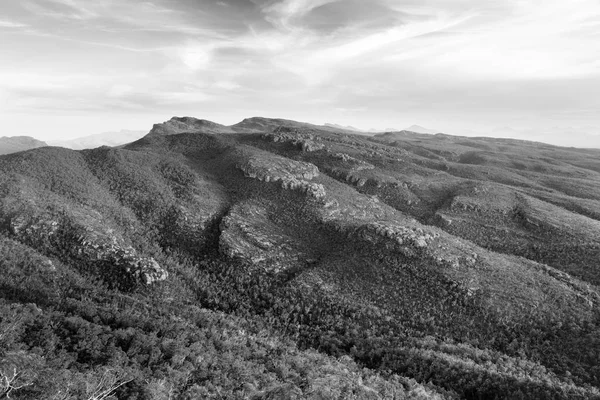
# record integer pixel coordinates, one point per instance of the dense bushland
(355, 320)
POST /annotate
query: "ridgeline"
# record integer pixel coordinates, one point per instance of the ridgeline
(274, 259)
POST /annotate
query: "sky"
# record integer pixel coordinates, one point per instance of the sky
(524, 68)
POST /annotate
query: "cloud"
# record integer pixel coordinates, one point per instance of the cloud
(120, 90)
(537, 40)
(441, 61)
(11, 24)
(61, 9)
(283, 14)
(226, 85)
(195, 56)
(324, 58)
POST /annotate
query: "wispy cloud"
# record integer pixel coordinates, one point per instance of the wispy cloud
(61, 9)
(11, 25)
(442, 62)
(284, 13)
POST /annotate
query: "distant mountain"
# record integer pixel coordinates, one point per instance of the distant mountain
(420, 129)
(348, 127)
(101, 139)
(353, 129)
(373, 130)
(586, 137)
(13, 144)
(177, 125)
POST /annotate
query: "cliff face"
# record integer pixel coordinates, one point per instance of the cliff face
(434, 243)
(104, 252)
(248, 233)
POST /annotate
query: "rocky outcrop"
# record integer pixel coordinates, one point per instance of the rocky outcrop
(409, 241)
(62, 237)
(416, 237)
(248, 234)
(462, 204)
(298, 138)
(354, 163)
(33, 228)
(441, 220)
(290, 174)
(350, 177)
(112, 250)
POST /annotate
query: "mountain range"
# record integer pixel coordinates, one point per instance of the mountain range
(412, 128)
(101, 139)
(420, 129)
(274, 259)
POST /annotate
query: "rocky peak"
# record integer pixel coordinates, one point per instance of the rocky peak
(178, 125)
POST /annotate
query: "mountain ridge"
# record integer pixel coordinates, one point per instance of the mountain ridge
(449, 266)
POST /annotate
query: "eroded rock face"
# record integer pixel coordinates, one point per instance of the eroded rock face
(293, 175)
(83, 243)
(353, 163)
(409, 241)
(111, 249)
(303, 140)
(249, 235)
(23, 226)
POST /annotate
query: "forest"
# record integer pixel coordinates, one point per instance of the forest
(194, 265)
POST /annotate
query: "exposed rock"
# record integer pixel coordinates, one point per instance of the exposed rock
(441, 220)
(406, 240)
(23, 226)
(144, 269)
(301, 139)
(290, 174)
(354, 163)
(248, 234)
(461, 203)
(46, 232)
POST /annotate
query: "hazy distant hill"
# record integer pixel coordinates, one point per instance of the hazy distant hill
(274, 259)
(348, 128)
(420, 129)
(13, 144)
(588, 137)
(100, 139)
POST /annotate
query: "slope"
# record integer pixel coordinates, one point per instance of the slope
(317, 238)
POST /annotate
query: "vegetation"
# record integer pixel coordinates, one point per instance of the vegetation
(365, 302)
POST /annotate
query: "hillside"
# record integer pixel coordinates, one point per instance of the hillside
(273, 259)
(14, 144)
